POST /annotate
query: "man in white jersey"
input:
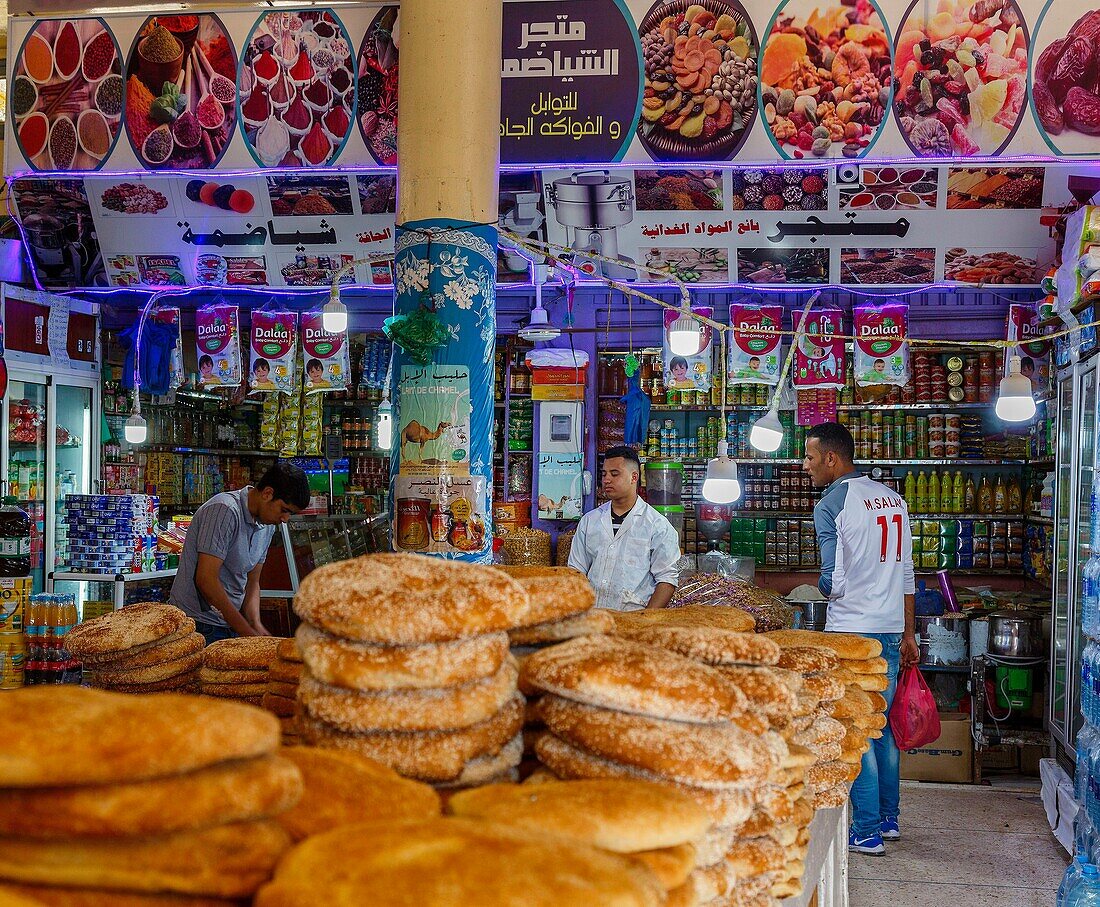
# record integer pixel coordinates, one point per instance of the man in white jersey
(867, 573)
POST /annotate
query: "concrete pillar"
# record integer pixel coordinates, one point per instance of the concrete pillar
(448, 149)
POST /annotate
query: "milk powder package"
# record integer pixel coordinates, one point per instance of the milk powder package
(1034, 352)
(819, 355)
(324, 355)
(756, 347)
(273, 366)
(218, 346)
(691, 372)
(881, 355)
(171, 317)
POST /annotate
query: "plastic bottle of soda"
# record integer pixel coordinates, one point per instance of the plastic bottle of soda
(15, 539)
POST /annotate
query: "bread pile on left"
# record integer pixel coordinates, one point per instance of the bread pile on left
(281, 694)
(237, 668)
(113, 799)
(142, 648)
(405, 660)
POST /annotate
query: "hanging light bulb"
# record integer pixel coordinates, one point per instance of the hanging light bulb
(334, 316)
(136, 430)
(685, 335)
(1015, 402)
(385, 426)
(766, 433)
(721, 485)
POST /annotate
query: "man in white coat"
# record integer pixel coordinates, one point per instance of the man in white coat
(627, 549)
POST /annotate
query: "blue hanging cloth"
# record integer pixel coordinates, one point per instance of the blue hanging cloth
(637, 412)
(157, 343)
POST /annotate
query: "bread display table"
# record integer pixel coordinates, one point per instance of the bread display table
(826, 874)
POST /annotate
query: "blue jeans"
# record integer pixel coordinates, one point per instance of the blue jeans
(213, 634)
(877, 791)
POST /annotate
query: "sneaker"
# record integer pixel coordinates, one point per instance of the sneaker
(889, 830)
(868, 844)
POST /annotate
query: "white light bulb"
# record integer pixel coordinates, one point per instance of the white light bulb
(721, 485)
(1015, 402)
(685, 336)
(136, 430)
(385, 429)
(334, 317)
(766, 433)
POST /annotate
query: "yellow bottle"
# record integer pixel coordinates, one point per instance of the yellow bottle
(970, 496)
(934, 492)
(958, 493)
(910, 493)
(1000, 497)
(922, 493)
(985, 496)
(1015, 496)
(947, 504)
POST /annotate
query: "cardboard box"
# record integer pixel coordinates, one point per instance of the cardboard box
(949, 758)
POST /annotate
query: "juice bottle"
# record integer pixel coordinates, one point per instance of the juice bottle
(934, 492)
(970, 496)
(910, 493)
(1015, 496)
(985, 496)
(1000, 497)
(958, 493)
(947, 501)
(922, 492)
(15, 540)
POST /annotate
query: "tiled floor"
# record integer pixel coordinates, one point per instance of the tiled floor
(963, 847)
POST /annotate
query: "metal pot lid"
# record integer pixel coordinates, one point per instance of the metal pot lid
(1016, 615)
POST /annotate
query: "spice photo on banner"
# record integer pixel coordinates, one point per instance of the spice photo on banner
(181, 92)
(376, 74)
(961, 77)
(67, 94)
(295, 89)
(689, 371)
(820, 359)
(218, 346)
(825, 78)
(756, 347)
(274, 349)
(326, 361)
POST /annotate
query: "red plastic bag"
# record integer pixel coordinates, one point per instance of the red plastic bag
(914, 718)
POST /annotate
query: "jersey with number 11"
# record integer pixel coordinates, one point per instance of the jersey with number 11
(866, 555)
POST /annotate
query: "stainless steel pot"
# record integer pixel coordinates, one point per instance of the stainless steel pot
(943, 640)
(592, 200)
(1017, 634)
(814, 613)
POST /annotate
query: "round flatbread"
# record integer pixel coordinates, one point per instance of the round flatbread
(242, 653)
(866, 665)
(170, 649)
(556, 592)
(764, 688)
(180, 683)
(287, 649)
(847, 646)
(16, 895)
(808, 659)
(590, 623)
(210, 675)
(124, 674)
(283, 671)
(710, 645)
(825, 687)
(139, 624)
(489, 769)
(873, 683)
(234, 690)
(70, 735)
(279, 705)
(725, 618)
(410, 599)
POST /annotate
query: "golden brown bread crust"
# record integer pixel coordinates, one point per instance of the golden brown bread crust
(764, 688)
(242, 653)
(287, 649)
(808, 659)
(343, 788)
(234, 690)
(69, 735)
(823, 730)
(865, 666)
(725, 807)
(455, 861)
(707, 755)
(154, 653)
(825, 687)
(556, 592)
(588, 623)
(135, 625)
(408, 710)
(229, 792)
(227, 861)
(831, 798)
(873, 683)
(283, 671)
(180, 683)
(491, 768)
(854, 703)
(279, 705)
(364, 666)
(754, 856)
(671, 865)
(208, 675)
(710, 645)
(124, 674)
(278, 688)
(826, 775)
(52, 896)
(410, 599)
(846, 645)
(613, 673)
(618, 815)
(683, 895)
(878, 701)
(690, 616)
(433, 756)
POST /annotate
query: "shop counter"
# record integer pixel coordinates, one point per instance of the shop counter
(826, 873)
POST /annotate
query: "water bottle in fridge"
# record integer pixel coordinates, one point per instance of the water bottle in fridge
(1086, 740)
(1086, 682)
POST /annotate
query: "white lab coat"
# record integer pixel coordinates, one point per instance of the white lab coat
(625, 567)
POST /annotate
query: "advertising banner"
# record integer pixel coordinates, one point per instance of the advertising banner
(218, 346)
(820, 361)
(880, 355)
(756, 349)
(274, 345)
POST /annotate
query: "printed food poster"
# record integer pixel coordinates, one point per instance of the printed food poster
(326, 362)
(982, 49)
(60, 232)
(991, 266)
(274, 348)
(880, 356)
(376, 73)
(66, 94)
(787, 189)
(887, 267)
(678, 190)
(560, 486)
(689, 371)
(995, 187)
(820, 360)
(181, 92)
(783, 265)
(755, 346)
(218, 346)
(1064, 85)
(434, 420)
(890, 188)
(442, 515)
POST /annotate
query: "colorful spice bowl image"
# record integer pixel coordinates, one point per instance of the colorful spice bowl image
(786, 189)
(181, 92)
(701, 75)
(376, 77)
(66, 94)
(961, 76)
(678, 190)
(825, 78)
(295, 88)
(1065, 80)
(888, 188)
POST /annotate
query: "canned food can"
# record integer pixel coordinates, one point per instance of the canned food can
(15, 593)
(955, 364)
(956, 395)
(13, 658)
(937, 420)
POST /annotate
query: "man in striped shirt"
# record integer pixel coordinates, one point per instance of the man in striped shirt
(218, 580)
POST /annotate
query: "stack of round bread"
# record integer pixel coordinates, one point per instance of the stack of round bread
(406, 661)
(281, 693)
(562, 608)
(620, 708)
(237, 668)
(654, 824)
(111, 799)
(142, 648)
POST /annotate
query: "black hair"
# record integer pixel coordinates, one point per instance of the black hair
(261, 363)
(287, 483)
(1027, 360)
(835, 437)
(205, 360)
(314, 363)
(677, 361)
(627, 453)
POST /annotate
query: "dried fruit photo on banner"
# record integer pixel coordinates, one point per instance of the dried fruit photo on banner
(66, 94)
(181, 92)
(1065, 80)
(961, 76)
(825, 78)
(701, 74)
(296, 93)
(376, 73)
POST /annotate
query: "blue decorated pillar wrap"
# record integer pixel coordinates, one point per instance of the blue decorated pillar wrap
(441, 464)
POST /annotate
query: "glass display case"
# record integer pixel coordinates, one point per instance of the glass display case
(315, 540)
